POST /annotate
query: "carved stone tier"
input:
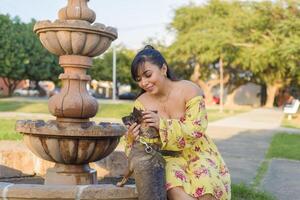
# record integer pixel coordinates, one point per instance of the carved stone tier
(72, 145)
(75, 37)
(74, 100)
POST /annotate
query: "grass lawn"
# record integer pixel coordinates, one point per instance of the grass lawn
(7, 130)
(242, 192)
(105, 110)
(114, 110)
(25, 106)
(285, 145)
(293, 123)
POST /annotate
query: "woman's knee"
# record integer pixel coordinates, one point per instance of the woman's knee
(207, 197)
(177, 193)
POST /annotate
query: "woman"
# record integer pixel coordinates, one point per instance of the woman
(198, 172)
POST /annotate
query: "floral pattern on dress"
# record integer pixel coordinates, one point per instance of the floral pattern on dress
(200, 169)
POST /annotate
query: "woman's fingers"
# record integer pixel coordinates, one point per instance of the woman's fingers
(149, 120)
(136, 130)
(153, 124)
(132, 126)
(147, 115)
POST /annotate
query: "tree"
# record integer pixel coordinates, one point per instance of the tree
(13, 58)
(205, 41)
(22, 55)
(102, 66)
(273, 38)
(258, 40)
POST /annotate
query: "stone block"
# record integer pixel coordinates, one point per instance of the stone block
(107, 192)
(32, 191)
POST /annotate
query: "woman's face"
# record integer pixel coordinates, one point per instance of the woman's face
(151, 77)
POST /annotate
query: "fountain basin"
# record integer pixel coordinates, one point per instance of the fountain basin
(71, 146)
(75, 37)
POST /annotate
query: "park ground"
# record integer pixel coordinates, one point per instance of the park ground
(259, 145)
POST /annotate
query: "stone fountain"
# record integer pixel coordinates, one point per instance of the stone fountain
(72, 141)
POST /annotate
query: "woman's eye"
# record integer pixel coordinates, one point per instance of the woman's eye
(148, 75)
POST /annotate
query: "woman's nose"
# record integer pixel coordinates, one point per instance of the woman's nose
(144, 82)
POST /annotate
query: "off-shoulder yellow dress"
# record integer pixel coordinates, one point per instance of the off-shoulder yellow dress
(200, 169)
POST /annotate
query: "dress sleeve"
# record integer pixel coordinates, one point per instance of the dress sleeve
(177, 134)
(128, 141)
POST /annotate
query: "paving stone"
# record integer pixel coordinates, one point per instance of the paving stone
(283, 179)
(242, 170)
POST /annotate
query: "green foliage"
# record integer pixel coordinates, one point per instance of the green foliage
(102, 66)
(273, 38)
(22, 55)
(13, 58)
(258, 41)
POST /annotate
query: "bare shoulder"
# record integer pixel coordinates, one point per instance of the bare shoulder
(189, 89)
(144, 98)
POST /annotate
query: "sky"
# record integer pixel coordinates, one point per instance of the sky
(136, 20)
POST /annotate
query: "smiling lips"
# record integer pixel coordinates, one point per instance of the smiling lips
(149, 88)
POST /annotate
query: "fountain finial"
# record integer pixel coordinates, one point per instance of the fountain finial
(77, 10)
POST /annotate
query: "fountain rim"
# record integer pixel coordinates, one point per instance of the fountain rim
(68, 25)
(50, 129)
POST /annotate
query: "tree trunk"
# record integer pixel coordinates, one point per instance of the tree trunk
(195, 77)
(271, 92)
(196, 73)
(11, 85)
(230, 98)
(207, 92)
(221, 84)
(42, 91)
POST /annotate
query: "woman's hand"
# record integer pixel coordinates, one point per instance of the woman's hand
(151, 118)
(133, 131)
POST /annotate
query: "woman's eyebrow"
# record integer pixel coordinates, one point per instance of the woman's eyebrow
(144, 72)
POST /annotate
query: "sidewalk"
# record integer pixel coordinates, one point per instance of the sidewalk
(243, 141)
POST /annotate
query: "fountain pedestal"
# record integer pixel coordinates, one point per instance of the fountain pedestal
(70, 174)
(72, 141)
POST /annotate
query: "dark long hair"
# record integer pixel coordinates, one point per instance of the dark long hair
(149, 54)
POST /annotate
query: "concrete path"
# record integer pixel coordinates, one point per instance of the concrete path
(261, 118)
(244, 139)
